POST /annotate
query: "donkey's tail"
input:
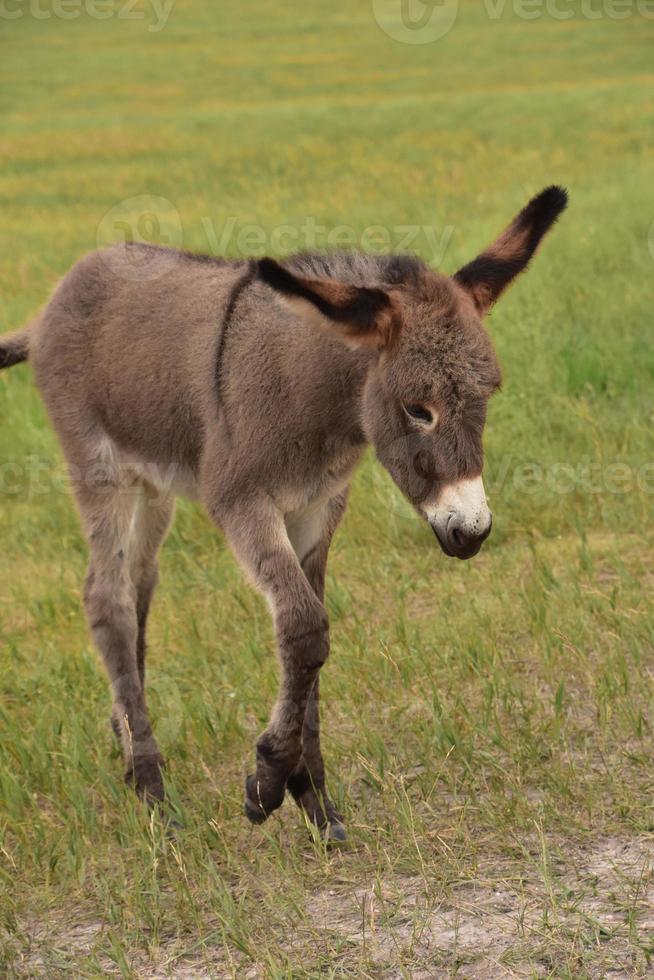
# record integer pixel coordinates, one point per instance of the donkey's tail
(14, 348)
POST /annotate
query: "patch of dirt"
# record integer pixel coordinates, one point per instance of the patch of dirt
(59, 955)
(563, 909)
(592, 906)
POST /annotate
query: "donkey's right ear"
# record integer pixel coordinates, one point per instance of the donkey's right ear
(361, 316)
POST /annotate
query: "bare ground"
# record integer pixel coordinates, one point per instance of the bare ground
(577, 911)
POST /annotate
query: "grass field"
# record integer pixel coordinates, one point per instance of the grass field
(488, 725)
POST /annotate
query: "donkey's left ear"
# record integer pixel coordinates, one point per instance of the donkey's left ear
(361, 316)
(487, 276)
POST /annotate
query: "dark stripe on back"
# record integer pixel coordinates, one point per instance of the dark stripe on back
(238, 289)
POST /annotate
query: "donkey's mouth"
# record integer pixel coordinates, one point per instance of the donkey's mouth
(457, 543)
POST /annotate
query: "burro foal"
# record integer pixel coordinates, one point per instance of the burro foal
(255, 387)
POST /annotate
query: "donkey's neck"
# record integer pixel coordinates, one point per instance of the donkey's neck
(344, 373)
(321, 429)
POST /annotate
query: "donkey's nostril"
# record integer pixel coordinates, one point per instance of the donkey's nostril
(458, 537)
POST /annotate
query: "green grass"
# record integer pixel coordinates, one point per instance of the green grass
(488, 726)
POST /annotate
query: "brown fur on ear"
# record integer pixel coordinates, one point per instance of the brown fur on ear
(487, 276)
(363, 316)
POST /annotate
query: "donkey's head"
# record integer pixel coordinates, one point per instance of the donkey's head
(433, 366)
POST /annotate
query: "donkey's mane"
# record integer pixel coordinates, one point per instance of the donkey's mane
(353, 268)
(357, 268)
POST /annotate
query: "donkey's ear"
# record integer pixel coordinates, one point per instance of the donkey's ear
(362, 316)
(487, 276)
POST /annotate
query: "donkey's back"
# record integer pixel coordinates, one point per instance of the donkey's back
(126, 348)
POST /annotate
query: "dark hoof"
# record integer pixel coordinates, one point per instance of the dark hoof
(257, 806)
(145, 776)
(254, 816)
(334, 834)
(318, 809)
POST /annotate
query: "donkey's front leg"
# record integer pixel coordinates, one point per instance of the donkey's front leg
(311, 536)
(307, 781)
(259, 538)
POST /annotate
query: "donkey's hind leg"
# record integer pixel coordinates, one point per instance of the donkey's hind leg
(154, 511)
(110, 599)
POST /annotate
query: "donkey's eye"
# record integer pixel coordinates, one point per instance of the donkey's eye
(419, 414)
